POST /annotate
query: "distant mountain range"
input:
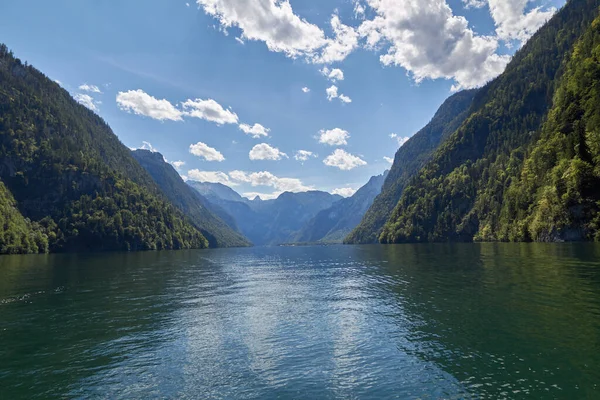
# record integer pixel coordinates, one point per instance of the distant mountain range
(316, 217)
(334, 223)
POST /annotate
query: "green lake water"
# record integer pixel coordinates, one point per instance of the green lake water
(474, 321)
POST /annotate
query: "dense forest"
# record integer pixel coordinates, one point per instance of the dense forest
(197, 208)
(410, 158)
(68, 183)
(524, 163)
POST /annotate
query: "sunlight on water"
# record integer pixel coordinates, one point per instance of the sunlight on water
(432, 321)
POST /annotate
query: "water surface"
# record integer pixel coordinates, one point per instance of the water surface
(481, 321)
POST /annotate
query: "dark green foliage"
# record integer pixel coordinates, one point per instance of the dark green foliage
(409, 159)
(68, 172)
(195, 207)
(556, 196)
(333, 224)
(17, 234)
(459, 195)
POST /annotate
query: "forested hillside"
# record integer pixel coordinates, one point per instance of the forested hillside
(510, 142)
(193, 205)
(64, 170)
(411, 157)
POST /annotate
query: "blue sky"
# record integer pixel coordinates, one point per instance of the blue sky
(192, 79)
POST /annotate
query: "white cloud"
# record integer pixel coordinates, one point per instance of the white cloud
(474, 3)
(334, 137)
(304, 155)
(305, 89)
(389, 159)
(338, 48)
(178, 164)
(240, 40)
(256, 131)
(270, 21)
(209, 110)
(343, 160)
(513, 23)
(274, 23)
(333, 75)
(345, 98)
(208, 153)
(344, 192)
(141, 103)
(400, 139)
(332, 92)
(430, 42)
(359, 10)
(210, 176)
(86, 100)
(265, 152)
(267, 179)
(263, 196)
(90, 88)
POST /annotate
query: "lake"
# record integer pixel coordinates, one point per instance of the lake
(480, 321)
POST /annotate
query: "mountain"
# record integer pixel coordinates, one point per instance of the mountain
(67, 181)
(216, 191)
(268, 222)
(191, 203)
(410, 158)
(523, 165)
(334, 223)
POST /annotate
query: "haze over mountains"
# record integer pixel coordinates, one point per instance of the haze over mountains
(306, 217)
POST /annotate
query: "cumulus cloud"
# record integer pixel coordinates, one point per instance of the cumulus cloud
(269, 21)
(343, 160)
(141, 103)
(87, 100)
(400, 139)
(430, 42)
(332, 92)
(345, 98)
(344, 192)
(304, 155)
(359, 9)
(209, 110)
(267, 179)
(333, 75)
(513, 23)
(210, 176)
(389, 159)
(305, 89)
(256, 131)
(334, 137)
(264, 151)
(178, 164)
(90, 88)
(275, 23)
(263, 196)
(339, 47)
(204, 151)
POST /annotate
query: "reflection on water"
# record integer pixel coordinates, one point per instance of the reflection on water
(411, 321)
